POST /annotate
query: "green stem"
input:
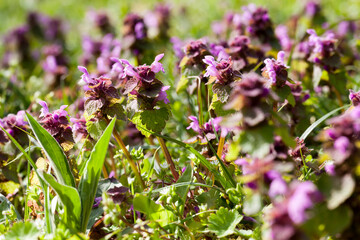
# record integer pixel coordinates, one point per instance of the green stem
(199, 98)
(130, 160)
(168, 158)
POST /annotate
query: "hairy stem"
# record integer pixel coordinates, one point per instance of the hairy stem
(221, 146)
(168, 158)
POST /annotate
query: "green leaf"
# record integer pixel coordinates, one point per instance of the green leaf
(283, 92)
(70, 198)
(257, 141)
(53, 151)
(96, 128)
(336, 189)
(90, 178)
(223, 222)
(23, 230)
(334, 221)
(222, 91)
(6, 205)
(320, 120)
(152, 120)
(152, 210)
(185, 177)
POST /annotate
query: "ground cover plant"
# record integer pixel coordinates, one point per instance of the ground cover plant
(174, 120)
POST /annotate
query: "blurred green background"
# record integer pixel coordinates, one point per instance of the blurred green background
(200, 13)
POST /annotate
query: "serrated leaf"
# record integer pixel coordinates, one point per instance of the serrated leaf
(70, 198)
(53, 152)
(96, 128)
(222, 91)
(223, 222)
(152, 120)
(115, 110)
(90, 178)
(91, 106)
(23, 230)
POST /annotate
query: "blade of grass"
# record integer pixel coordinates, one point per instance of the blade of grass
(53, 151)
(42, 183)
(320, 120)
(90, 178)
(70, 198)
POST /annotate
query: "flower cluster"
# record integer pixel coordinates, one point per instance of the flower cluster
(141, 81)
(101, 95)
(258, 22)
(157, 21)
(219, 72)
(276, 70)
(290, 210)
(323, 50)
(57, 124)
(207, 131)
(15, 125)
(134, 32)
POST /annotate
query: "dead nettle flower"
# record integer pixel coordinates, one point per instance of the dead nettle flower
(158, 20)
(101, 21)
(345, 28)
(195, 51)
(15, 125)
(54, 65)
(219, 50)
(178, 45)
(101, 95)
(276, 70)
(300, 151)
(220, 72)
(312, 8)
(141, 81)
(323, 50)
(354, 97)
(57, 124)
(100, 52)
(242, 54)
(258, 171)
(17, 46)
(45, 27)
(134, 32)
(248, 96)
(292, 209)
(281, 33)
(79, 129)
(258, 23)
(206, 132)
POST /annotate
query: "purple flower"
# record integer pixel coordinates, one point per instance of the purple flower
(281, 33)
(195, 51)
(177, 45)
(341, 144)
(15, 125)
(305, 195)
(162, 95)
(194, 125)
(312, 8)
(330, 168)
(257, 22)
(277, 187)
(354, 97)
(346, 27)
(79, 129)
(275, 70)
(57, 124)
(221, 71)
(97, 202)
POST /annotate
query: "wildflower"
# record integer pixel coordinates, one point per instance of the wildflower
(195, 51)
(102, 21)
(79, 129)
(354, 97)
(220, 72)
(15, 125)
(158, 20)
(57, 124)
(275, 70)
(323, 51)
(257, 22)
(281, 33)
(206, 132)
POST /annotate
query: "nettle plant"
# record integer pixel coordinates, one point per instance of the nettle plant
(233, 139)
